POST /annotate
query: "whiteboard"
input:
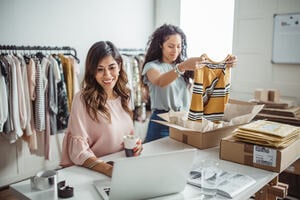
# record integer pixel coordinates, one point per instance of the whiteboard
(286, 38)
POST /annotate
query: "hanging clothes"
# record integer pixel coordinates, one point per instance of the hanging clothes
(21, 94)
(34, 94)
(211, 89)
(68, 75)
(62, 98)
(3, 99)
(52, 95)
(16, 130)
(30, 135)
(39, 103)
(26, 98)
(76, 72)
(7, 125)
(133, 60)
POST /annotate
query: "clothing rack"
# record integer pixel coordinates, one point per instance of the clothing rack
(66, 49)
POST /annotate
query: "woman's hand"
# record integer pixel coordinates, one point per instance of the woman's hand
(139, 148)
(232, 60)
(191, 64)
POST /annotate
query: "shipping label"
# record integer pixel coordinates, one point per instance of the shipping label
(264, 156)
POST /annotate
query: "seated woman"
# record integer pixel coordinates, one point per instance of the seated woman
(100, 114)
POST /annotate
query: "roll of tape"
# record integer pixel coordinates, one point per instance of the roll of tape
(44, 180)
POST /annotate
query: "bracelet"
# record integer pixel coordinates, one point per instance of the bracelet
(93, 164)
(177, 71)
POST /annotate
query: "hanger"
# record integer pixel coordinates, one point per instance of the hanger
(71, 52)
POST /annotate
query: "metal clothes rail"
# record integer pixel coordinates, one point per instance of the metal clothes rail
(66, 50)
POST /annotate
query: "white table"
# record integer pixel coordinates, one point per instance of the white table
(82, 179)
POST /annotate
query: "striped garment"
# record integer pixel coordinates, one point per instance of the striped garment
(211, 90)
(40, 97)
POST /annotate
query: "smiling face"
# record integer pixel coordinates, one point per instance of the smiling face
(107, 74)
(171, 48)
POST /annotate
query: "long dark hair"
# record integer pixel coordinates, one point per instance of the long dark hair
(93, 95)
(156, 40)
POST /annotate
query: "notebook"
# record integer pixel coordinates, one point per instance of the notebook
(147, 176)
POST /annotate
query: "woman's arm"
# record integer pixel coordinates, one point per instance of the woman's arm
(162, 80)
(98, 165)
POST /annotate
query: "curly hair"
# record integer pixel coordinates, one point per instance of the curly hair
(156, 40)
(93, 95)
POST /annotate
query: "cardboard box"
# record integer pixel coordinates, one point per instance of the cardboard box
(261, 95)
(201, 140)
(274, 95)
(204, 140)
(271, 159)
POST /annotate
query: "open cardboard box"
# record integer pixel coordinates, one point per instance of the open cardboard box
(270, 159)
(240, 112)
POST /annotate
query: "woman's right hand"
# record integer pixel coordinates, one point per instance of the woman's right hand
(139, 148)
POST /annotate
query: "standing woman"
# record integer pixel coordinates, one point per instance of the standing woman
(168, 74)
(100, 114)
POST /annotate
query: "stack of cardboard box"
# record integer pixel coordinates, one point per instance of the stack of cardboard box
(255, 153)
(276, 109)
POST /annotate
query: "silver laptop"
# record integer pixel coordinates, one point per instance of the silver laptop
(147, 176)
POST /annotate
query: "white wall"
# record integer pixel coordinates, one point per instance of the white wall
(252, 43)
(208, 27)
(72, 23)
(76, 23)
(167, 11)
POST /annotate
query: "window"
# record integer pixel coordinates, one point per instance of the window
(208, 25)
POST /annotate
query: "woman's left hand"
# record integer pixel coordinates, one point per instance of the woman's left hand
(139, 148)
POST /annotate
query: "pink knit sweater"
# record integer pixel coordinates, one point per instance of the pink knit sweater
(86, 138)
